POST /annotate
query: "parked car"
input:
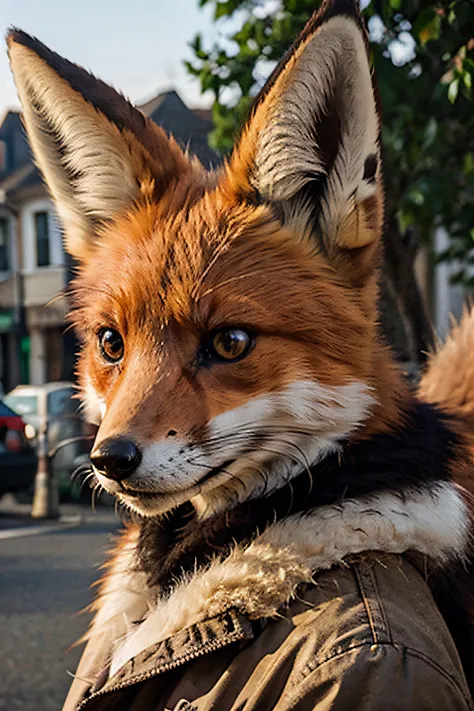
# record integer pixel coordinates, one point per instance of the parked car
(54, 404)
(18, 460)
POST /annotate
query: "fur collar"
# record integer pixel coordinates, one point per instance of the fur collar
(260, 578)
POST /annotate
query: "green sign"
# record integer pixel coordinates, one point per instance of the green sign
(6, 321)
(25, 348)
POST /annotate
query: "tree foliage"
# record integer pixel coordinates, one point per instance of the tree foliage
(423, 53)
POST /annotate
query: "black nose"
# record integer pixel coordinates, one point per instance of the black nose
(116, 458)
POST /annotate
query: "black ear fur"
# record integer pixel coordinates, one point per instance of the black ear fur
(103, 97)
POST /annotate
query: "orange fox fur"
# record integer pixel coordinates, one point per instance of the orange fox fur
(448, 382)
(449, 377)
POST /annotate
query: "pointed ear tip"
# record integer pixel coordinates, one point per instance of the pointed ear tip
(339, 8)
(17, 39)
(16, 36)
(343, 7)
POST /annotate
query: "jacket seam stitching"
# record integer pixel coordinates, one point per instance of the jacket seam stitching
(398, 647)
(372, 603)
(380, 598)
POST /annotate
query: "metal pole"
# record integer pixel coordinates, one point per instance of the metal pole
(46, 496)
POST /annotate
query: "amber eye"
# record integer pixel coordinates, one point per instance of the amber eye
(230, 344)
(111, 345)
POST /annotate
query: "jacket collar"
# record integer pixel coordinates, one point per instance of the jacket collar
(190, 643)
(257, 580)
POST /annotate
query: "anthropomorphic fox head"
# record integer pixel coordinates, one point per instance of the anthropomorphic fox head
(228, 319)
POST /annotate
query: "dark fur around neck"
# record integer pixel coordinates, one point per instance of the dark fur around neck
(418, 453)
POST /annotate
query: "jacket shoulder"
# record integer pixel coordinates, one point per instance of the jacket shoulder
(372, 677)
(372, 630)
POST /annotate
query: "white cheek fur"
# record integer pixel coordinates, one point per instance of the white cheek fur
(302, 423)
(94, 405)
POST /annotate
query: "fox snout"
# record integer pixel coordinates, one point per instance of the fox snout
(116, 458)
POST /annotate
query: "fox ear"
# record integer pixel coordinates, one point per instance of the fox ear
(97, 152)
(311, 145)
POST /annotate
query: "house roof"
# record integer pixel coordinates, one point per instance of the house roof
(10, 116)
(21, 184)
(155, 103)
(14, 180)
(204, 114)
(188, 127)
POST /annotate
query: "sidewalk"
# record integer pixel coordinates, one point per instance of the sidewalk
(45, 580)
(16, 521)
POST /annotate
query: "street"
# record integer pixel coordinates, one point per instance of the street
(45, 580)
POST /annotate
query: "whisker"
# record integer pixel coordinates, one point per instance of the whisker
(87, 479)
(93, 498)
(83, 468)
(264, 447)
(256, 427)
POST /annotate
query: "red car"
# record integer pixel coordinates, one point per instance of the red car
(18, 460)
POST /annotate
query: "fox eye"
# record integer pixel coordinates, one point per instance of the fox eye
(230, 344)
(111, 345)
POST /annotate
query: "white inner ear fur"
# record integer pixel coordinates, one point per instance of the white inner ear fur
(332, 63)
(96, 154)
(261, 578)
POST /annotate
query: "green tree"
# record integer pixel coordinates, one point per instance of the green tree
(423, 53)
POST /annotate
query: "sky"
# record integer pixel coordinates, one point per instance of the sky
(135, 45)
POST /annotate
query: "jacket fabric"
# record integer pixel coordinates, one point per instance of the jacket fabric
(264, 629)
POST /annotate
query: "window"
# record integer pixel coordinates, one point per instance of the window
(3, 155)
(42, 239)
(54, 361)
(22, 404)
(4, 245)
(60, 402)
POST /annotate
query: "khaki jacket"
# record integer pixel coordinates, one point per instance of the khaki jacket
(365, 635)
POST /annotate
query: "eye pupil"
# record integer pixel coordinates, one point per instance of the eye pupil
(230, 344)
(111, 345)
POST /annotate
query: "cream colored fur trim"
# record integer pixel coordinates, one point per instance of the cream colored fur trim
(260, 579)
(125, 596)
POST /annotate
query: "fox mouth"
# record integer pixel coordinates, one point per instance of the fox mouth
(215, 471)
(138, 494)
(147, 494)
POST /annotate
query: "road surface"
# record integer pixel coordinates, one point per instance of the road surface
(45, 579)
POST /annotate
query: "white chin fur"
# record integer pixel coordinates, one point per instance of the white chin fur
(295, 427)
